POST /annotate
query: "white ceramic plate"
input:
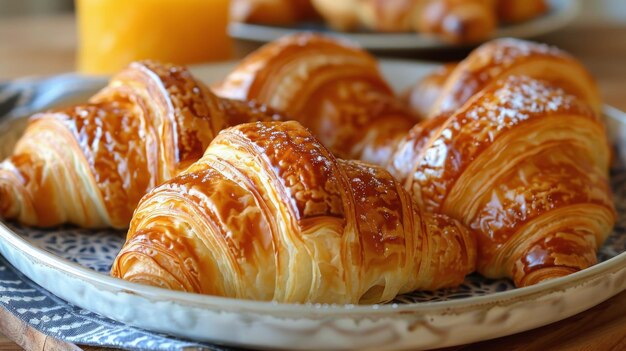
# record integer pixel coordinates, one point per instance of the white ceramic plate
(560, 14)
(73, 264)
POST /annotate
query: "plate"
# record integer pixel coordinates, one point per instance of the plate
(73, 264)
(561, 13)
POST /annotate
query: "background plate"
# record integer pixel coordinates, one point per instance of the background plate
(73, 264)
(561, 13)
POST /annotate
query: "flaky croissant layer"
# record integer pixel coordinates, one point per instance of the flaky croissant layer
(523, 164)
(90, 164)
(513, 142)
(269, 214)
(501, 58)
(334, 89)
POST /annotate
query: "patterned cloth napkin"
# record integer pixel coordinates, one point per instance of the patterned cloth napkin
(57, 318)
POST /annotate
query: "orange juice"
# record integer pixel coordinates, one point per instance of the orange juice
(112, 33)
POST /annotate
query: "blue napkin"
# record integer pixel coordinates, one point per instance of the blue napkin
(57, 318)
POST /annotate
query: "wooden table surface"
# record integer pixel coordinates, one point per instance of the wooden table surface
(46, 45)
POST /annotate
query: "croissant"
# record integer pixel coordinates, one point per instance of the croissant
(521, 162)
(332, 88)
(269, 214)
(272, 12)
(520, 10)
(525, 166)
(453, 20)
(421, 97)
(90, 164)
(500, 58)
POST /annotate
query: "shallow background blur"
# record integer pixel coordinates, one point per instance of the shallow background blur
(9, 8)
(614, 10)
(38, 38)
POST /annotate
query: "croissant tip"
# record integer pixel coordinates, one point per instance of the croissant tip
(7, 198)
(4, 203)
(544, 274)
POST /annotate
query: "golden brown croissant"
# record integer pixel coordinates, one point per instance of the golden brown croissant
(500, 58)
(90, 164)
(520, 10)
(272, 12)
(491, 149)
(421, 97)
(454, 20)
(520, 162)
(525, 166)
(330, 87)
(269, 214)
(458, 21)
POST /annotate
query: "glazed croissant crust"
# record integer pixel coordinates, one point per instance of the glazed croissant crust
(90, 164)
(269, 214)
(525, 166)
(422, 95)
(500, 58)
(522, 162)
(334, 89)
(449, 87)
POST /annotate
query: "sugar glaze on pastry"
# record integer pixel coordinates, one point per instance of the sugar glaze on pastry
(269, 214)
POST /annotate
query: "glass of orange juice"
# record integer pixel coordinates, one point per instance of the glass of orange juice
(112, 33)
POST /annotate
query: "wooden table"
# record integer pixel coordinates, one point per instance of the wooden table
(46, 45)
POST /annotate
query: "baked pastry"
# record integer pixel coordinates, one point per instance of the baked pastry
(525, 166)
(503, 153)
(272, 12)
(457, 21)
(342, 15)
(523, 163)
(520, 10)
(500, 58)
(90, 164)
(269, 214)
(332, 88)
(422, 96)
